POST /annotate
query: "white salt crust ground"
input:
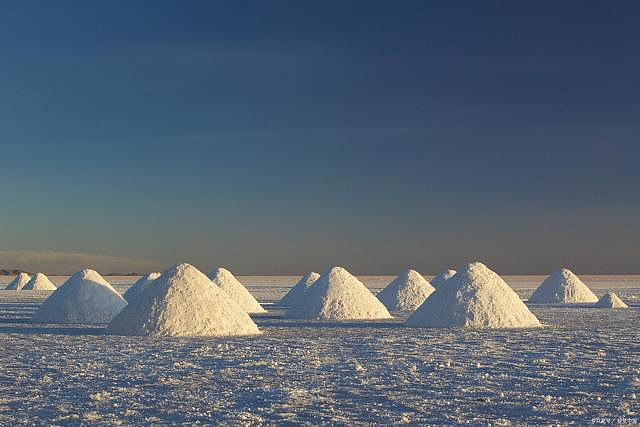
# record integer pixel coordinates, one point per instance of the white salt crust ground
(406, 292)
(575, 369)
(182, 302)
(236, 290)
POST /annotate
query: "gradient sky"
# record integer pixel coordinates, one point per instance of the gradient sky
(280, 137)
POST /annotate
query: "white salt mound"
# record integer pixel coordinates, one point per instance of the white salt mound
(299, 289)
(39, 282)
(84, 298)
(406, 292)
(611, 300)
(139, 286)
(475, 297)
(439, 279)
(18, 282)
(337, 295)
(236, 290)
(183, 302)
(563, 287)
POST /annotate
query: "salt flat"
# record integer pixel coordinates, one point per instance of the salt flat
(584, 364)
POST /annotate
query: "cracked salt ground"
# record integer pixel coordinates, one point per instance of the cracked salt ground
(585, 364)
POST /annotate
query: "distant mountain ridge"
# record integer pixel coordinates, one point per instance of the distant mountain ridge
(15, 272)
(12, 272)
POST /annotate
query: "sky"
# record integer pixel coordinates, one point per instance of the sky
(285, 136)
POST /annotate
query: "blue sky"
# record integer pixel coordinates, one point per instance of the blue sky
(280, 137)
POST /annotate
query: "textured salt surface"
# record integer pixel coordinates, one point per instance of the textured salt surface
(576, 369)
(182, 302)
(438, 280)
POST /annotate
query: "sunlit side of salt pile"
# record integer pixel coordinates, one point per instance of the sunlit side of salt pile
(475, 297)
(183, 302)
(139, 286)
(406, 292)
(84, 298)
(439, 279)
(298, 290)
(18, 282)
(611, 300)
(565, 287)
(338, 295)
(39, 282)
(224, 279)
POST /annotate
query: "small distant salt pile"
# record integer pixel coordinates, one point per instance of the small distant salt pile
(84, 298)
(406, 292)
(139, 286)
(563, 287)
(182, 302)
(39, 282)
(475, 297)
(337, 295)
(611, 300)
(18, 282)
(236, 290)
(442, 277)
(295, 294)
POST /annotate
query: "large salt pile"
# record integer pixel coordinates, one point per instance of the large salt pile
(183, 302)
(39, 282)
(475, 297)
(611, 300)
(337, 295)
(84, 298)
(18, 282)
(295, 294)
(563, 287)
(139, 286)
(406, 292)
(236, 290)
(439, 279)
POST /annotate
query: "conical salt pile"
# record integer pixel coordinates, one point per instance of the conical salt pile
(563, 287)
(406, 292)
(236, 290)
(39, 282)
(18, 282)
(475, 297)
(139, 286)
(439, 279)
(84, 298)
(611, 300)
(183, 302)
(295, 294)
(337, 295)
